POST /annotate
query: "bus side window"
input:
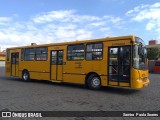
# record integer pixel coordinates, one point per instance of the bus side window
(41, 53)
(75, 52)
(29, 54)
(94, 51)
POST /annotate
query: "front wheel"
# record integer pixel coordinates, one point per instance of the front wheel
(94, 82)
(25, 76)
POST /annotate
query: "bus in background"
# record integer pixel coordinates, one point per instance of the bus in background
(157, 66)
(151, 64)
(112, 61)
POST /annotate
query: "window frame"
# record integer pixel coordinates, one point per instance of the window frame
(29, 54)
(41, 54)
(8, 55)
(93, 51)
(76, 52)
(23, 54)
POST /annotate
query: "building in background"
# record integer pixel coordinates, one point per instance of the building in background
(153, 44)
(2, 56)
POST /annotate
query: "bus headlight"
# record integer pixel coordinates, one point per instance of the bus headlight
(139, 80)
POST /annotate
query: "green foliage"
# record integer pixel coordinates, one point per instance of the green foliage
(153, 53)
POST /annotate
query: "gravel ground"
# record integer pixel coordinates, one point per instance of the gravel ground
(16, 95)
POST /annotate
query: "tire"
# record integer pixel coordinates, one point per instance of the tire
(94, 82)
(25, 76)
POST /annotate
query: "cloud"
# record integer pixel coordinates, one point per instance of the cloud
(97, 24)
(5, 20)
(136, 9)
(62, 16)
(71, 16)
(149, 13)
(55, 26)
(142, 12)
(52, 16)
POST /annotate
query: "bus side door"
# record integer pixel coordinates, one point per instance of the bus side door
(119, 66)
(57, 65)
(14, 64)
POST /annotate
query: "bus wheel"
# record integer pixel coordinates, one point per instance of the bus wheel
(25, 76)
(94, 82)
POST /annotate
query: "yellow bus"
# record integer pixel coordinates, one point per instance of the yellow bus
(112, 61)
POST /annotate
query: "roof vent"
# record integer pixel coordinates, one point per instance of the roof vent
(33, 44)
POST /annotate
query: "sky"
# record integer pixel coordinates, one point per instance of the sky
(23, 22)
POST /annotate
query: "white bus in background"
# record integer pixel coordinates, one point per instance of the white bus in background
(2, 63)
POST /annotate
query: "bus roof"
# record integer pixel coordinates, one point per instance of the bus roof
(79, 41)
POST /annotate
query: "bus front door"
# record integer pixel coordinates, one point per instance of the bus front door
(14, 64)
(57, 65)
(119, 66)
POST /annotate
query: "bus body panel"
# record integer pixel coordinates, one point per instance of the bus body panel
(8, 68)
(74, 78)
(139, 78)
(39, 76)
(37, 69)
(76, 71)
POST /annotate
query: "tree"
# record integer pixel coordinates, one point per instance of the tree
(153, 53)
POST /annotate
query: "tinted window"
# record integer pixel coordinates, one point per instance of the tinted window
(94, 51)
(75, 52)
(34, 53)
(29, 54)
(41, 53)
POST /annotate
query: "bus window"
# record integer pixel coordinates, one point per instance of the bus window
(75, 52)
(54, 57)
(113, 64)
(139, 55)
(113, 56)
(125, 62)
(29, 54)
(94, 51)
(41, 53)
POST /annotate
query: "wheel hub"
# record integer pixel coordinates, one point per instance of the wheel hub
(25, 76)
(96, 81)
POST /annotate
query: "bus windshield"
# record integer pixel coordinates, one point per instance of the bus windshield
(139, 55)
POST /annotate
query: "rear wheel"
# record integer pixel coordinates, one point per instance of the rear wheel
(25, 76)
(94, 82)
